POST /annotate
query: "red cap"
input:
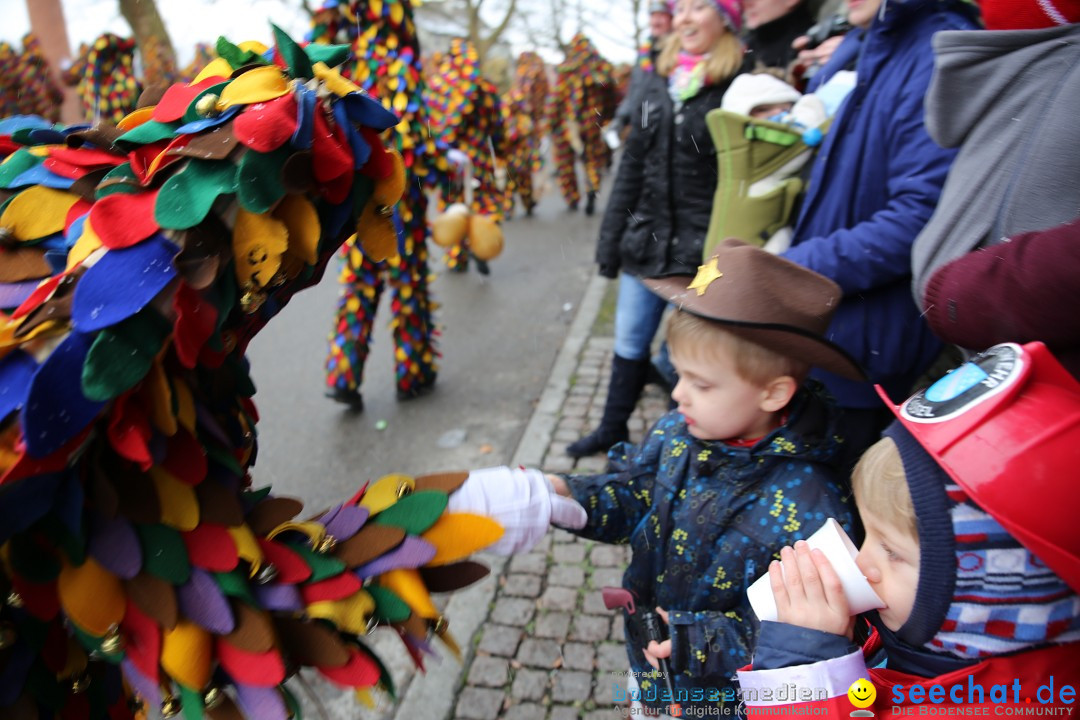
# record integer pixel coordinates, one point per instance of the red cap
(1006, 427)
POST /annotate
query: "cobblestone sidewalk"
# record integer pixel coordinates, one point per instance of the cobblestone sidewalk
(549, 646)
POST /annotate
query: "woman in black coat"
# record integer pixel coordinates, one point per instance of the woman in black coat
(658, 213)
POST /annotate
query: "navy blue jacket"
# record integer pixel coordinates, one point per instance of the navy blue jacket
(873, 187)
(704, 520)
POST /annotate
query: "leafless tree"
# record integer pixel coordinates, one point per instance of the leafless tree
(152, 39)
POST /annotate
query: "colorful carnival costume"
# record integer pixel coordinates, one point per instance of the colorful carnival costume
(584, 104)
(26, 83)
(466, 115)
(104, 78)
(387, 66)
(138, 565)
(525, 119)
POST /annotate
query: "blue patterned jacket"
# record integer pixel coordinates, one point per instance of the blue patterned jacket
(704, 520)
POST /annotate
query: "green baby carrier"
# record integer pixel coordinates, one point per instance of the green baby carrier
(758, 186)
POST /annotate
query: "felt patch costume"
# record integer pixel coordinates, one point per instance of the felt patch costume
(387, 65)
(466, 114)
(139, 566)
(26, 84)
(104, 78)
(526, 124)
(584, 103)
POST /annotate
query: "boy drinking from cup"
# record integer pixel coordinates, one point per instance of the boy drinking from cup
(971, 545)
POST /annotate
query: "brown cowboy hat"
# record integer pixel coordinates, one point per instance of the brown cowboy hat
(766, 299)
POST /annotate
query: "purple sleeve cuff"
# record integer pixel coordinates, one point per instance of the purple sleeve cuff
(802, 683)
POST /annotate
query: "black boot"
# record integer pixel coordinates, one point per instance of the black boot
(627, 380)
(590, 202)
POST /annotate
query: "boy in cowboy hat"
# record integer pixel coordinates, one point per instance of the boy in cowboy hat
(743, 467)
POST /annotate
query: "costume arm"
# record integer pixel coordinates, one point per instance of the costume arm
(877, 251)
(1020, 290)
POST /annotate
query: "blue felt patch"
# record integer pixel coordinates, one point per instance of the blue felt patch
(122, 282)
(56, 410)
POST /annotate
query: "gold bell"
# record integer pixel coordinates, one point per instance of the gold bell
(112, 643)
(403, 489)
(251, 301)
(8, 636)
(267, 574)
(170, 706)
(327, 544)
(7, 236)
(384, 210)
(14, 599)
(213, 697)
(207, 106)
(441, 625)
(80, 683)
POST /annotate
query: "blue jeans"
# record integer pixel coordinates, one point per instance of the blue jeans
(637, 317)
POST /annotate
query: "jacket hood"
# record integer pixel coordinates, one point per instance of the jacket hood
(979, 74)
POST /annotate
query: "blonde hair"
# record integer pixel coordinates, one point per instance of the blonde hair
(725, 56)
(880, 485)
(756, 364)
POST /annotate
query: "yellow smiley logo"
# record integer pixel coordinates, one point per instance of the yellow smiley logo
(862, 693)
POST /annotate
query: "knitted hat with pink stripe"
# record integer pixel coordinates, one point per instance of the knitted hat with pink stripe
(1028, 14)
(731, 10)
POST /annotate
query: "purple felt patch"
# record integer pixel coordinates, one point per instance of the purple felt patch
(12, 295)
(122, 283)
(346, 522)
(202, 601)
(413, 552)
(262, 703)
(279, 597)
(115, 545)
(141, 684)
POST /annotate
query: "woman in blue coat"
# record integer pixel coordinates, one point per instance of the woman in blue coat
(873, 187)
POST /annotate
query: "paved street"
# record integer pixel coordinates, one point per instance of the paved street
(524, 371)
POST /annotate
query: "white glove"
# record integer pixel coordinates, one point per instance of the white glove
(522, 501)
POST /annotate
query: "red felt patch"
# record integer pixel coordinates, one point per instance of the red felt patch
(63, 169)
(142, 640)
(290, 566)
(27, 466)
(40, 599)
(185, 458)
(174, 103)
(211, 547)
(247, 668)
(266, 126)
(360, 672)
(331, 156)
(129, 431)
(335, 588)
(380, 163)
(196, 321)
(85, 157)
(122, 220)
(42, 293)
(166, 157)
(76, 211)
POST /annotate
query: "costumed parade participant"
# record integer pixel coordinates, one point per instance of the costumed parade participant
(139, 565)
(387, 66)
(26, 84)
(584, 103)
(104, 78)
(526, 125)
(466, 114)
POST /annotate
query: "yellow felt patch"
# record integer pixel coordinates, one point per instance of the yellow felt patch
(218, 67)
(37, 212)
(350, 614)
(302, 225)
(386, 491)
(92, 597)
(87, 243)
(185, 404)
(186, 652)
(261, 84)
(258, 243)
(458, 535)
(156, 385)
(179, 504)
(334, 80)
(247, 547)
(254, 46)
(409, 586)
(135, 118)
(377, 234)
(389, 190)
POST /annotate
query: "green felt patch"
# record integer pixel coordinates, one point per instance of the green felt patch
(414, 513)
(165, 554)
(122, 355)
(187, 196)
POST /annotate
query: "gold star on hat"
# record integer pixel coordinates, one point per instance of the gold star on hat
(705, 275)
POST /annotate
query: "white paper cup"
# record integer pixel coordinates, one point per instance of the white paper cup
(840, 551)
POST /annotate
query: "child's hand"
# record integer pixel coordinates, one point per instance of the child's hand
(808, 592)
(657, 650)
(558, 484)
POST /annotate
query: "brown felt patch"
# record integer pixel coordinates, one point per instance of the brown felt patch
(155, 597)
(271, 512)
(218, 504)
(454, 576)
(311, 643)
(254, 629)
(448, 482)
(368, 544)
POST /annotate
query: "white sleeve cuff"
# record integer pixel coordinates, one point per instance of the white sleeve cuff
(802, 683)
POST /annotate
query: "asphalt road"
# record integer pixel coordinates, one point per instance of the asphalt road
(499, 338)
